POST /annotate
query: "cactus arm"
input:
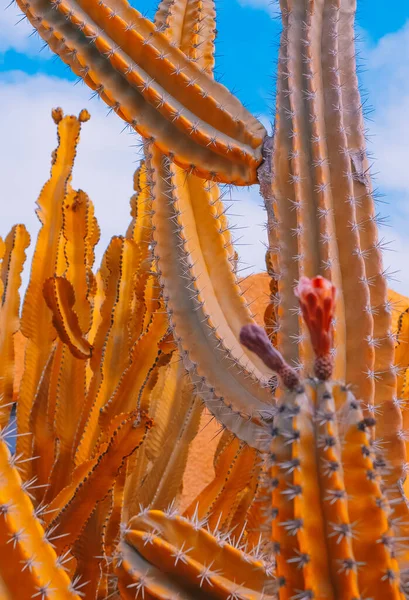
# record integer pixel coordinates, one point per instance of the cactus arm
(195, 329)
(36, 318)
(60, 298)
(191, 26)
(15, 246)
(28, 560)
(126, 434)
(153, 86)
(207, 565)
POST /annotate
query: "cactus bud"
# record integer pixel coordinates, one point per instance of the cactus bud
(255, 339)
(317, 301)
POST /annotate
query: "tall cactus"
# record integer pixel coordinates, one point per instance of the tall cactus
(321, 210)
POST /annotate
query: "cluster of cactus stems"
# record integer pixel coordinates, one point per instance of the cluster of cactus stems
(308, 496)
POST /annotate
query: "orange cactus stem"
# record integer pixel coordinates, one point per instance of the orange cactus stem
(166, 555)
(331, 526)
(29, 565)
(36, 317)
(153, 86)
(14, 248)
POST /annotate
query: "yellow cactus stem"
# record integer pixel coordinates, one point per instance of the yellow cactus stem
(14, 247)
(206, 307)
(153, 86)
(163, 552)
(29, 565)
(332, 530)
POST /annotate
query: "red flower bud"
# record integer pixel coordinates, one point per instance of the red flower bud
(317, 301)
(255, 339)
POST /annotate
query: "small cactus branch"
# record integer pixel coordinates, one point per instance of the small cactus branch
(153, 85)
(60, 298)
(11, 266)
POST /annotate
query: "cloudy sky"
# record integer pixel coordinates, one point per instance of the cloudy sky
(32, 81)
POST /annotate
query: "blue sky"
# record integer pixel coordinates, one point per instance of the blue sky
(32, 82)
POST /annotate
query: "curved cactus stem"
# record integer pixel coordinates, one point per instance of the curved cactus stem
(205, 329)
(153, 85)
(60, 298)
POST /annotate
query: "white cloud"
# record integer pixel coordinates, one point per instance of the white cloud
(104, 164)
(15, 33)
(103, 167)
(386, 81)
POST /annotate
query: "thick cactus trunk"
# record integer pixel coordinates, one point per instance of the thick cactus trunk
(321, 206)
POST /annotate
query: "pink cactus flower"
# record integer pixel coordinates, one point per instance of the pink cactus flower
(317, 301)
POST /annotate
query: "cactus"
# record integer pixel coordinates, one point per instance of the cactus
(313, 175)
(305, 501)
